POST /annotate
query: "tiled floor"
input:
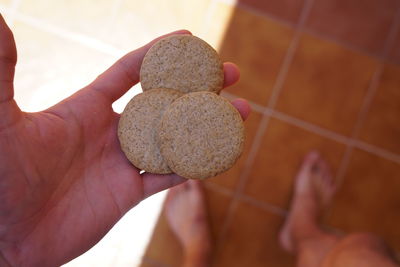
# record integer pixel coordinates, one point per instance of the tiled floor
(320, 75)
(312, 86)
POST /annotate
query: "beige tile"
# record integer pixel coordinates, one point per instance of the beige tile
(89, 17)
(326, 84)
(217, 21)
(252, 240)
(258, 46)
(51, 68)
(5, 3)
(138, 22)
(279, 157)
(368, 200)
(382, 127)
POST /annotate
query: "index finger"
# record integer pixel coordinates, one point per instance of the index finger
(124, 73)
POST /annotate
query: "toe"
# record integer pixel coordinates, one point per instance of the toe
(310, 161)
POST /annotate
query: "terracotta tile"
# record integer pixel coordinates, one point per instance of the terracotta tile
(137, 22)
(395, 51)
(326, 84)
(44, 75)
(381, 127)
(279, 158)
(361, 23)
(369, 198)
(230, 178)
(257, 45)
(165, 248)
(289, 10)
(89, 17)
(216, 22)
(217, 205)
(252, 240)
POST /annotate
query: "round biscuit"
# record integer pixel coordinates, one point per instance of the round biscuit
(201, 135)
(182, 62)
(138, 125)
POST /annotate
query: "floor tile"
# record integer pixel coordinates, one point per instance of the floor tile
(51, 68)
(217, 20)
(5, 2)
(326, 84)
(257, 45)
(394, 54)
(361, 23)
(252, 240)
(165, 248)
(381, 127)
(217, 205)
(147, 262)
(138, 22)
(89, 17)
(369, 198)
(279, 158)
(287, 9)
(230, 178)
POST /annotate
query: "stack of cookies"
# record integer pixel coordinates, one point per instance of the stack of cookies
(179, 124)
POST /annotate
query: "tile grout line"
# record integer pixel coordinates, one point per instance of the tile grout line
(322, 131)
(219, 189)
(265, 120)
(267, 207)
(278, 85)
(367, 102)
(372, 88)
(310, 127)
(348, 46)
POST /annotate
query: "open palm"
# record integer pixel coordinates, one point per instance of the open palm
(64, 181)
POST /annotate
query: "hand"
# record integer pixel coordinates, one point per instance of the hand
(64, 181)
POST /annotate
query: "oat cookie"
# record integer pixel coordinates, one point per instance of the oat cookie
(182, 62)
(201, 135)
(138, 125)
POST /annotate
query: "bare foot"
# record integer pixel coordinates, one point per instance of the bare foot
(187, 216)
(313, 192)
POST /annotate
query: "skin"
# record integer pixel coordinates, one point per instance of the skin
(64, 181)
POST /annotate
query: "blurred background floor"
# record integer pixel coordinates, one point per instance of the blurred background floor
(321, 75)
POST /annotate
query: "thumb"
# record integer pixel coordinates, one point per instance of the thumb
(9, 111)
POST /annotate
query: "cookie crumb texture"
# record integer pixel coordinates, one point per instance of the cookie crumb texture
(138, 125)
(182, 62)
(201, 135)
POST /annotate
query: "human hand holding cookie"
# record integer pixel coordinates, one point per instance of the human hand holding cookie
(180, 124)
(64, 178)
